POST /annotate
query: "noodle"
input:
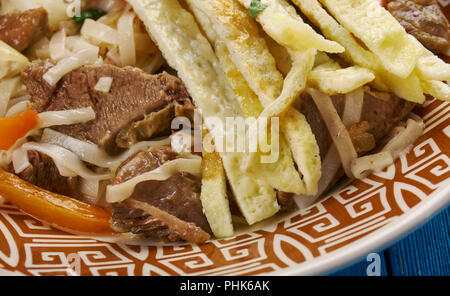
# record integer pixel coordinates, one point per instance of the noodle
(122, 191)
(91, 153)
(127, 46)
(57, 46)
(83, 57)
(65, 117)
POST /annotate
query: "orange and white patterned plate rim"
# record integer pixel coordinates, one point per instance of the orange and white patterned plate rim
(362, 217)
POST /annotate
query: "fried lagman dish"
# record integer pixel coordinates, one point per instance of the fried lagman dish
(115, 115)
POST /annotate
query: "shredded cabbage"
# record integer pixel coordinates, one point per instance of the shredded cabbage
(120, 192)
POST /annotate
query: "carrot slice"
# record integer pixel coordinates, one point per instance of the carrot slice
(15, 127)
(57, 210)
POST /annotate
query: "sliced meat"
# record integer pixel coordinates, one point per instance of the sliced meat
(178, 196)
(286, 201)
(384, 115)
(381, 116)
(424, 20)
(168, 226)
(20, 30)
(361, 138)
(138, 106)
(44, 174)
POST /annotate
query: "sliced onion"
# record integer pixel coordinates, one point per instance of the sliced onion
(353, 107)
(113, 57)
(40, 49)
(122, 191)
(19, 99)
(407, 137)
(404, 138)
(331, 165)
(373, 163)
(65, 117)
(91, 153)
(57, 46)
(154, 64)
(20, 160)
(127, 47)
(104, 84)
(77, 43)
(83, 57)
(99, 33)
(338, 131)
(6, 155)
(68, 164)
(7, 90)
(20, 107)
(90, 189)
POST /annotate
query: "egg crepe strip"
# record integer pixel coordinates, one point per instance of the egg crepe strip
(409, 89)
(283, 24)
(251, 56)
(399, 52)
(379, 31)
(214, 194)
(282, 174)
(339, 81)
(437, 89)
(294, 83)
(176, 33)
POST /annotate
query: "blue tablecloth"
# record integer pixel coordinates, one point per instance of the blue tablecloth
(425, 252)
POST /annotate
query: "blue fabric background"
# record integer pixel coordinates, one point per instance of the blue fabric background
(425, 252)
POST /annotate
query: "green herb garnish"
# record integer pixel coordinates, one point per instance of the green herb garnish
(256, 7)
(90, 13)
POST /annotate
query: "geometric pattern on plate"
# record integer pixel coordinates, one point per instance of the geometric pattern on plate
(344, 217)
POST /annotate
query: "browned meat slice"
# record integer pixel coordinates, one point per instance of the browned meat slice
(381, 116)
(424, 20)
(179, 197)
(361, 138)
(44, 174)
(20, 30)
(286, 201)
(138, 106)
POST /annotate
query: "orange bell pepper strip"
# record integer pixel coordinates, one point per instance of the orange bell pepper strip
(57, 210)
(15, 127)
